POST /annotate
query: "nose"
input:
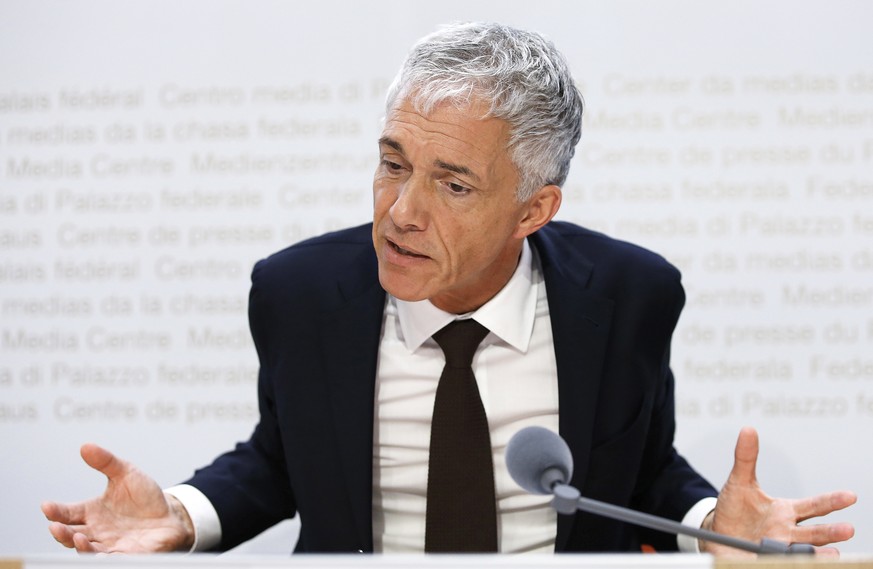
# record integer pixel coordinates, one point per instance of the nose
(409, 211)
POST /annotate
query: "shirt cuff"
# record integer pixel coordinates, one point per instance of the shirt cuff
(694, 518)
(207, 526)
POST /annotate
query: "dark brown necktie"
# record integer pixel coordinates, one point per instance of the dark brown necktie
(461, 506)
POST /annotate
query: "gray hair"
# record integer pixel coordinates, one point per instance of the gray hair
(526, 79)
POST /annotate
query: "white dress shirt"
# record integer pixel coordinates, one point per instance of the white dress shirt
(516, 374)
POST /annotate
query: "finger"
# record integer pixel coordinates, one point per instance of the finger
(85, 545)
(829, 552)
(823, 504)
(745, 457)
(102, 460)
(62, 534)
(822, 534)
(64, 513)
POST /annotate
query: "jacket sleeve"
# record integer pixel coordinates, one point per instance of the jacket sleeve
(249, 485)
(632, 460)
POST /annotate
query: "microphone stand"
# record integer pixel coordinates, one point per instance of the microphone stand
(568, 499)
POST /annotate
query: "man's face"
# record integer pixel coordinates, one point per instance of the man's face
(447, 226)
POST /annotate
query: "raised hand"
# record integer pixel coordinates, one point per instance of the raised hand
(745, 511)
(132, 516)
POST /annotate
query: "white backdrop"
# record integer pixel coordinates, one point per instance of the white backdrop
(152, 151)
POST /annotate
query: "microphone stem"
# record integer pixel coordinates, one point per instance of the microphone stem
(568, 499)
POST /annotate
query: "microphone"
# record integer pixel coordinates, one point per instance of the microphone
(541, 462)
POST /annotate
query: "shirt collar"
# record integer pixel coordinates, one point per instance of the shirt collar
(509, 315)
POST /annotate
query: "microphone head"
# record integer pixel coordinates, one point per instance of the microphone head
(534, 451)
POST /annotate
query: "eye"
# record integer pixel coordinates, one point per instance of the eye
(391, 166)
(456, 188)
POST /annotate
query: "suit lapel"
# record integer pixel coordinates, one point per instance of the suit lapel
(580, 326)
(351, 336)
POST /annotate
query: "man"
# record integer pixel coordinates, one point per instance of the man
(481, 124)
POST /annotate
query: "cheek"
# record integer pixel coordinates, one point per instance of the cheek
(383, 198)
(475, 244)
(459, 242)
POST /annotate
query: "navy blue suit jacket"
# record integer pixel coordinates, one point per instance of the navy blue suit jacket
(316, 312)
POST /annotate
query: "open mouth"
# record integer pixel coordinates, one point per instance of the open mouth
(405, 252)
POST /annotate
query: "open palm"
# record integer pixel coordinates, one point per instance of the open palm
(132, 516)
(744, 510)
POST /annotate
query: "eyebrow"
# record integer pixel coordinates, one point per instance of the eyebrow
(392, 143)
(462, 170)
(457, 169)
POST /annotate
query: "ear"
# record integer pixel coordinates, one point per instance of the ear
(539, 210)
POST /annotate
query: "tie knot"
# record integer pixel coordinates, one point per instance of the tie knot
(459, 341)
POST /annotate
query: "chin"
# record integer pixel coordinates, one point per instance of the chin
(400, 287)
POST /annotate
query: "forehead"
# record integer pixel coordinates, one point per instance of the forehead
(447, 128)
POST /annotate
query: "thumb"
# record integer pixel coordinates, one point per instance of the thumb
(745, 458)
(103, 461)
